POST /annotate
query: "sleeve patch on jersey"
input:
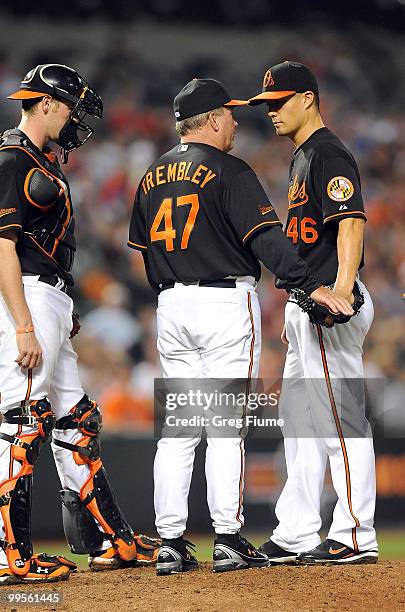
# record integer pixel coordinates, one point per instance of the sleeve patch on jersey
(265, 209)
(340, 189)
(7, 211)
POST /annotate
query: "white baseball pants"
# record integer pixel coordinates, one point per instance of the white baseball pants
(316, 407)
(56, 378)
(205, 332)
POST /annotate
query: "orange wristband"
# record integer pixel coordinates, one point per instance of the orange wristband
(24, 330)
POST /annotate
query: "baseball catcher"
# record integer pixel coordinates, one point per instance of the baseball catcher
(41, 393)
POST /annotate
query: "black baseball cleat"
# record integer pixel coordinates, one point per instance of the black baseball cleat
(233, 552)
(276, 554)
(43, 568)
(331, 551)
(174, 557)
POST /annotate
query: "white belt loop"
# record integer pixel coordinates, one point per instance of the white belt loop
(246, 282)
(60, 284)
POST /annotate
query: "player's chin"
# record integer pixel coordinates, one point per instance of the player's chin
(54, 136)
(279, 129)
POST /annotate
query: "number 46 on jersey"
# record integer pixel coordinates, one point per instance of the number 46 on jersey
(302, 230)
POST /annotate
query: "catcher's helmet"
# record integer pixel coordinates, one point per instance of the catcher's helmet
(65, 84)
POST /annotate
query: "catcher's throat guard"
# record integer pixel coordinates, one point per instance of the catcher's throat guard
(99, 508)
(15, 493)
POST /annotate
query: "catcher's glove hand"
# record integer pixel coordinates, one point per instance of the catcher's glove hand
(75, 325)
(320, 315)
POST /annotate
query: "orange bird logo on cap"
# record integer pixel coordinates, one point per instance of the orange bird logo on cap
(268, 79)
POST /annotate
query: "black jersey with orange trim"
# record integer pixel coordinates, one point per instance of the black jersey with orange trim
(46, 243)
(324, 189)
(195, 212)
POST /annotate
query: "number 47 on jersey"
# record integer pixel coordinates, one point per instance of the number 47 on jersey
(164, 216)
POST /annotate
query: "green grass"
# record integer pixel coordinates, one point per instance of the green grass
(391, 543)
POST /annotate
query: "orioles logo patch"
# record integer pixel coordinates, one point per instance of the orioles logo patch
(265, 209)
(340, 189)
(268, 79)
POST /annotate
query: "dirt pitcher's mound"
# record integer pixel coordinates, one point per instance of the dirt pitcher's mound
(357, 587)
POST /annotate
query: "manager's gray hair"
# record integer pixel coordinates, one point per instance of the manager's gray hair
(193, 124)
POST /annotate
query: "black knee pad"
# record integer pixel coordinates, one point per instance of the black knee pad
(85, 416)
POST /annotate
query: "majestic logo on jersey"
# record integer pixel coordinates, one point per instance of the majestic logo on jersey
(268, 79)
(265, 209)
(340, 189)
(7, 211)
(297, 195)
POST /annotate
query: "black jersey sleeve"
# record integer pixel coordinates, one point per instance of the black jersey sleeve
(247, 205)
(12, 201)
(281, 257)
(341, 191)
(137, 228)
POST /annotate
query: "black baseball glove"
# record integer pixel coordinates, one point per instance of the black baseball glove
(75, 325)
(320, 315)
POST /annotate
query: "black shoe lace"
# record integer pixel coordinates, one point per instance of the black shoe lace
(246, 542)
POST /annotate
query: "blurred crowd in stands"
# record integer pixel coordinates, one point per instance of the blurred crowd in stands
(117, 345)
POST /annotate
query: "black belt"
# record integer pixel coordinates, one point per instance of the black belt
(53, 280)
(50, 279)
(222, 282)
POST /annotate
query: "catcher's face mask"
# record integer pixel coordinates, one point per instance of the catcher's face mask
(65, 84)
(76, 131)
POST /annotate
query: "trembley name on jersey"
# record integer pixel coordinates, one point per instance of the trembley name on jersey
(177, 171)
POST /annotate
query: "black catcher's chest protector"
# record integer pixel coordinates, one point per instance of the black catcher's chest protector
(49, 222)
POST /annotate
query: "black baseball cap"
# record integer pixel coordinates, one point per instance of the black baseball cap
(285, 79)
(200, 96)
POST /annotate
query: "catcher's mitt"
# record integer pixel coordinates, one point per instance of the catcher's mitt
(320, 315)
